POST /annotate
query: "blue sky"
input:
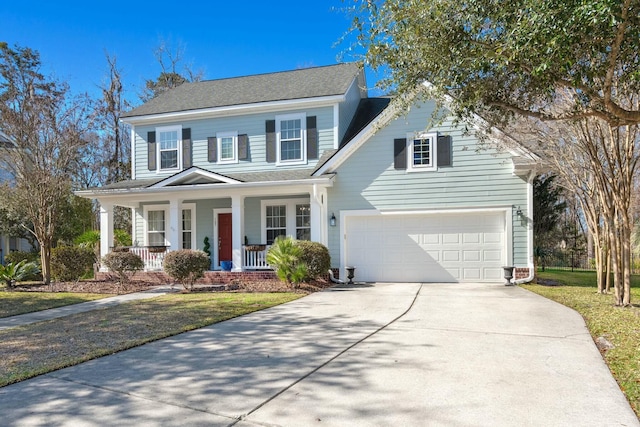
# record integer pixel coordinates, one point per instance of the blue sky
(222, 38)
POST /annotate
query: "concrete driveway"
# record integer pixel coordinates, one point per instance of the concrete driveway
(371, 355)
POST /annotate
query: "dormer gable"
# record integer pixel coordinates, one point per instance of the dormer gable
(194, 176)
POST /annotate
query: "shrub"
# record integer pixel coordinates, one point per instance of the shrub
(17, 272)
(70, 263)
(284, 257)
(186, 266)
(123, 264)
(316, 257)
(17, 256)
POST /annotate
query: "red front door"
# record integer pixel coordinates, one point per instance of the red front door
(224, 237)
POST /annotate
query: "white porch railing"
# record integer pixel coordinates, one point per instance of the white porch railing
(255, 257)
(152, 256)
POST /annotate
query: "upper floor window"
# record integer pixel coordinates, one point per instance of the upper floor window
(169, 139)
(421, 151)
(291, 146)
(227, 147)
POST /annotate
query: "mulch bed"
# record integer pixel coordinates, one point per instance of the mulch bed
(114, 287)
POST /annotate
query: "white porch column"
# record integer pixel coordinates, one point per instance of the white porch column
(319, 218)
(237, 232)
(106, 228)
(173, 231)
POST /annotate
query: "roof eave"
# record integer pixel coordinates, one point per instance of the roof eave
(236, 109)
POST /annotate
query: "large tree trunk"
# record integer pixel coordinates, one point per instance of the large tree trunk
(45, 259)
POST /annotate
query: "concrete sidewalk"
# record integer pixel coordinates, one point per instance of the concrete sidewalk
(67, 310)
(381, 355)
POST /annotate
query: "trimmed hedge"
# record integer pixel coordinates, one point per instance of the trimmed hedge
(71, 263)
(316, 257)
(123, 264)
(186, 266)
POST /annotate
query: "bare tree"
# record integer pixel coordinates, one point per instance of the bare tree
(46, 127)
(173, 70)
(598, 163)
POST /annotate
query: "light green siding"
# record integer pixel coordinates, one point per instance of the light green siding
(251, 124)
(479, 178)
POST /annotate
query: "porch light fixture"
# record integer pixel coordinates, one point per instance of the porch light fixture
(519, 211)
(332, 220)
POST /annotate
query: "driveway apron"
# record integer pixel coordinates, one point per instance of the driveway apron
(365, 355)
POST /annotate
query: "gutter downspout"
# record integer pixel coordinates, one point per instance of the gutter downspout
(532, 274)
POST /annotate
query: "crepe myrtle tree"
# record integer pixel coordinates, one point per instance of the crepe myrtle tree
(45, 126)
(509, 61)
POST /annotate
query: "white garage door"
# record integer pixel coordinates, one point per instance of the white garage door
(427, 248)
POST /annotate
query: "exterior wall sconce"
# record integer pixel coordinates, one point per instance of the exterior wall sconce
(332, 220)
(519, 211)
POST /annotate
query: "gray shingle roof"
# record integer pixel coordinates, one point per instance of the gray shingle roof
(248, 177)
(287, 85)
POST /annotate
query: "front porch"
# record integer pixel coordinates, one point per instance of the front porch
(233, 220)
(254, 257)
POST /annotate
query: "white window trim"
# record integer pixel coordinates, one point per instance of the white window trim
(192, 208)
(290, 211)
(219, 136)
(433, 151)
(303, 139)
(146, 210)
(178, 129)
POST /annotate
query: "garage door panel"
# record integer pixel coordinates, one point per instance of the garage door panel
(451, 239)
(427, 248)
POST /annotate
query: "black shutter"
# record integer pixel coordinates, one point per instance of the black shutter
(270, 129)
(400, 153)
(186, 148)
(243, 147)
(212, 149)
(312, 138)
(444, 150)
(151, 150)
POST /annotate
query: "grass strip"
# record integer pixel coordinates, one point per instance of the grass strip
(43, 347)
(620, 326)
(14, 303)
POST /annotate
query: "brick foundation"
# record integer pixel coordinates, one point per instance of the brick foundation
(210, 277)
(521, 273)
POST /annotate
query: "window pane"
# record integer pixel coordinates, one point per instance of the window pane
(303, 234)
(186, 240)
(155, 220)
(186, 219)
(169, 140)
(276, 217)
(169, 159)
(303, 215)
(156, 239)
(291, 139)
(290, 150)
(227, 148)
(421, 152)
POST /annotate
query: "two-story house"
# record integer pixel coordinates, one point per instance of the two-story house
(307, 153)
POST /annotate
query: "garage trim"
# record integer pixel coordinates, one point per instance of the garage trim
(345, 214)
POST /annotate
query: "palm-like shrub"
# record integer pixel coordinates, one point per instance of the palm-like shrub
(16, 272)
(186, 266)
(284, 257)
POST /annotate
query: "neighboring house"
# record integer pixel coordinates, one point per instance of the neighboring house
(9, 243)
(306, 153)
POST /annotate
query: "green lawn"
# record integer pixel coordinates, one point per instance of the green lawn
(14, 303)
(620, 326)
(43, 347)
